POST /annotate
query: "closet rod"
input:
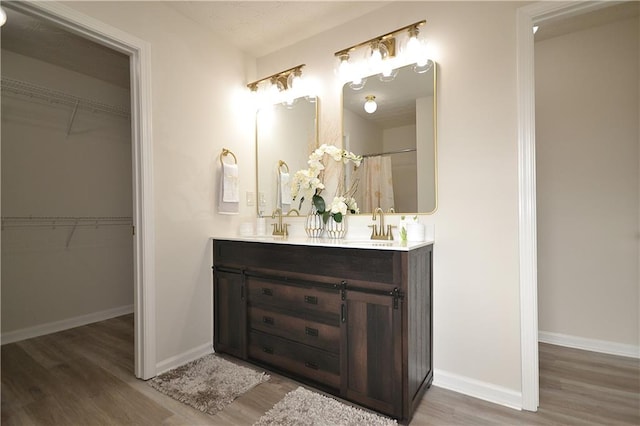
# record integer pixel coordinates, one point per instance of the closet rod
(400, 151)
(64, 221)
(54, 96)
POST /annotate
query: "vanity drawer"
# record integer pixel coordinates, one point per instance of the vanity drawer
(296, 358)
(319, 335)
(293, 298)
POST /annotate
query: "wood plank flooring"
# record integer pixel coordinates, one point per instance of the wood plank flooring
(84, 376)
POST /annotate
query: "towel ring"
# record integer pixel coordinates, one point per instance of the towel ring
(226, 152)
(281, 164)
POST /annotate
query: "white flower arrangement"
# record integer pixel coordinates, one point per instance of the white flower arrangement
(308, 183)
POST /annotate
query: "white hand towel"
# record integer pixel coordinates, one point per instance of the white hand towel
(223, 206)
(285, 188)
(230, 190)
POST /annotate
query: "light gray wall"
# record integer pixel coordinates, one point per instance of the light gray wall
(476, 273)
(47, 173)
(587, 91)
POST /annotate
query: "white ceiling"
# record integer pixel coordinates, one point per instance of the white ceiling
(256, 27)
(262, 27)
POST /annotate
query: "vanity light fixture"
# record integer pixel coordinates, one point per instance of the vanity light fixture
(3, 16)
(382, 53)
(275, 85)
(370, 106)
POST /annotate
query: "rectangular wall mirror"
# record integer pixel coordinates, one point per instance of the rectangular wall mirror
(397, 140)
(285, 135)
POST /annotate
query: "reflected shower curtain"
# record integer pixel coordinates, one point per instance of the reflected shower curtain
(376, 184)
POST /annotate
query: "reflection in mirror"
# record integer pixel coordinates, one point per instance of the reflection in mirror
(285, 135)
(397, 140)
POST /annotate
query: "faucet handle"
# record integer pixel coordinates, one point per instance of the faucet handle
(374, 230)
(389, 232)
(285, 231)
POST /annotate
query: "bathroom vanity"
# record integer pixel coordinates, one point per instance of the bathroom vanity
(351, 318)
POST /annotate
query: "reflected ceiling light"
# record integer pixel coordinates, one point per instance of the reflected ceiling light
(3, 16)
(535, 29)
(370, 105)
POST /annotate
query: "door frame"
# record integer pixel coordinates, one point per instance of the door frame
(139, 52)
(526, 17)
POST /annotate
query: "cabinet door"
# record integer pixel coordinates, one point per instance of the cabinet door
(372, 351)
(229, 313)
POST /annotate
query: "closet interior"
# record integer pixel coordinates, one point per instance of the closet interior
(67, 247)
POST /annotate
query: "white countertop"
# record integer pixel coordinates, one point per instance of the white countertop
(330, 242)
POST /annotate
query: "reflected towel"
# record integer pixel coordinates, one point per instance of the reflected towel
(285, 188)
(230, 190)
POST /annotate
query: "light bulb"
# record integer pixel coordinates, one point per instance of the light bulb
(344, 68)
(3, 16)
(535, 29)
(370, 106)
(413, 45)
(378, 54)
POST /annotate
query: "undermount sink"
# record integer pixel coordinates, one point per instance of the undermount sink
(370, 243)
(262, 237)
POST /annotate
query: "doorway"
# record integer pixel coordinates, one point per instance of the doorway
(587, 180)
(527, 17)
(138, 52)
(66, 180)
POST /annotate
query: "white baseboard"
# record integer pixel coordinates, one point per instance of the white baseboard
(183, 358)
(478, 389)
(602, 346)
(66, 324)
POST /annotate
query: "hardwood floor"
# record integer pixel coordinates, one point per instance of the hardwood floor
(84, 376)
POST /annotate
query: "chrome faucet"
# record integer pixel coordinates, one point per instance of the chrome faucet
(382, 233)
(279, 228)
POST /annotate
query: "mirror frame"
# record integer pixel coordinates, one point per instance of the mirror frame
(435, 140)
(315, 146)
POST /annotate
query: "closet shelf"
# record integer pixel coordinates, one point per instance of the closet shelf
(64, 221)
(54, 96)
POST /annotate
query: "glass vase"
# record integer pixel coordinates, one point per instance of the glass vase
(313, 225)
(336, 230)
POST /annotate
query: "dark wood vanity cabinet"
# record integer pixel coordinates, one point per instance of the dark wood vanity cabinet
(352, 322)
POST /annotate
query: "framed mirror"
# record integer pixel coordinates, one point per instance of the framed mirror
(397, 139)
(285, 135)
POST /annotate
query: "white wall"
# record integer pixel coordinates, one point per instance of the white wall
(195, 85)
(49, 275)
(476, 276)
(587, 140)
(364, 136)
